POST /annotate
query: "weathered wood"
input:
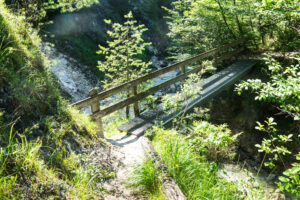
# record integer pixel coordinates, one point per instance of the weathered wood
(144, 94)
(87, 102)
(182, 69)
(210, 87)
(95, 107)
(127, 107)
(169, 188)
(136, 104)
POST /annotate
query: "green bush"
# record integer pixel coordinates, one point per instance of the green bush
(216, 142)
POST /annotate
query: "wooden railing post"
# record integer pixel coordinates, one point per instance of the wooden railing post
(95, 107)
(182, 69)
(214, 61)
(136, 104)
(182, 72)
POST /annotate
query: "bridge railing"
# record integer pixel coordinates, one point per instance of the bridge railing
(94, 98)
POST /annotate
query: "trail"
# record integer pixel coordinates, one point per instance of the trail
(133, 149)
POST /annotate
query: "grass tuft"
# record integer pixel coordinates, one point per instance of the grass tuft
(146, 178)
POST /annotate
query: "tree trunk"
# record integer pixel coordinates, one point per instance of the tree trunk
(127, 75)
(252, 28)
(261, 32)
(225, 19)
(238, 21)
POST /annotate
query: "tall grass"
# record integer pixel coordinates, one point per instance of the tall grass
(193, 173)
(146, 177)
(20, 161)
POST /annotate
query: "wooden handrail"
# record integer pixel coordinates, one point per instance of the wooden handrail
(105, 94)
(142, 95)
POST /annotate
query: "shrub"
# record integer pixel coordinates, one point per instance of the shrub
(216, 142)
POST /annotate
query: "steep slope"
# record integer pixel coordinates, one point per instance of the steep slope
(46, 148)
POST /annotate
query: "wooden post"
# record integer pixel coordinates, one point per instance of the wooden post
(136, 104)
(182, 69)
(214, 60)
(182, 72)
(95, 107)
(127, 107)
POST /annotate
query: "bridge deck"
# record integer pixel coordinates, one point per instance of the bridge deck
(210, 87)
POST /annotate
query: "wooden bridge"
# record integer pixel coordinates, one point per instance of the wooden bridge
(210, 87)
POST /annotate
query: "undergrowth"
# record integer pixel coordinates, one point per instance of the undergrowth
(193, 161)
(41, 139)
(195, 176)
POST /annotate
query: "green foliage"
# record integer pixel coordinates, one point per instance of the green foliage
(195, 176)
(196, 26)
(199, 25)
(47, 165)
(274, 148)
(21, 158)
(274, 144)
(279, 20)
(112, 122)
(22, 72)
(122, 62)
(290, 182)
(69, 5)
(216, 142)
(7, 188)
(36, 11)
(282, 89)
(145, 177)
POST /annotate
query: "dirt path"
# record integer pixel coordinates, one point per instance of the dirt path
(131, 151)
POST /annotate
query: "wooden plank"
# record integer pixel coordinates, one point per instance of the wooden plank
(210, 87)
(86, 102)
(144, 94)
